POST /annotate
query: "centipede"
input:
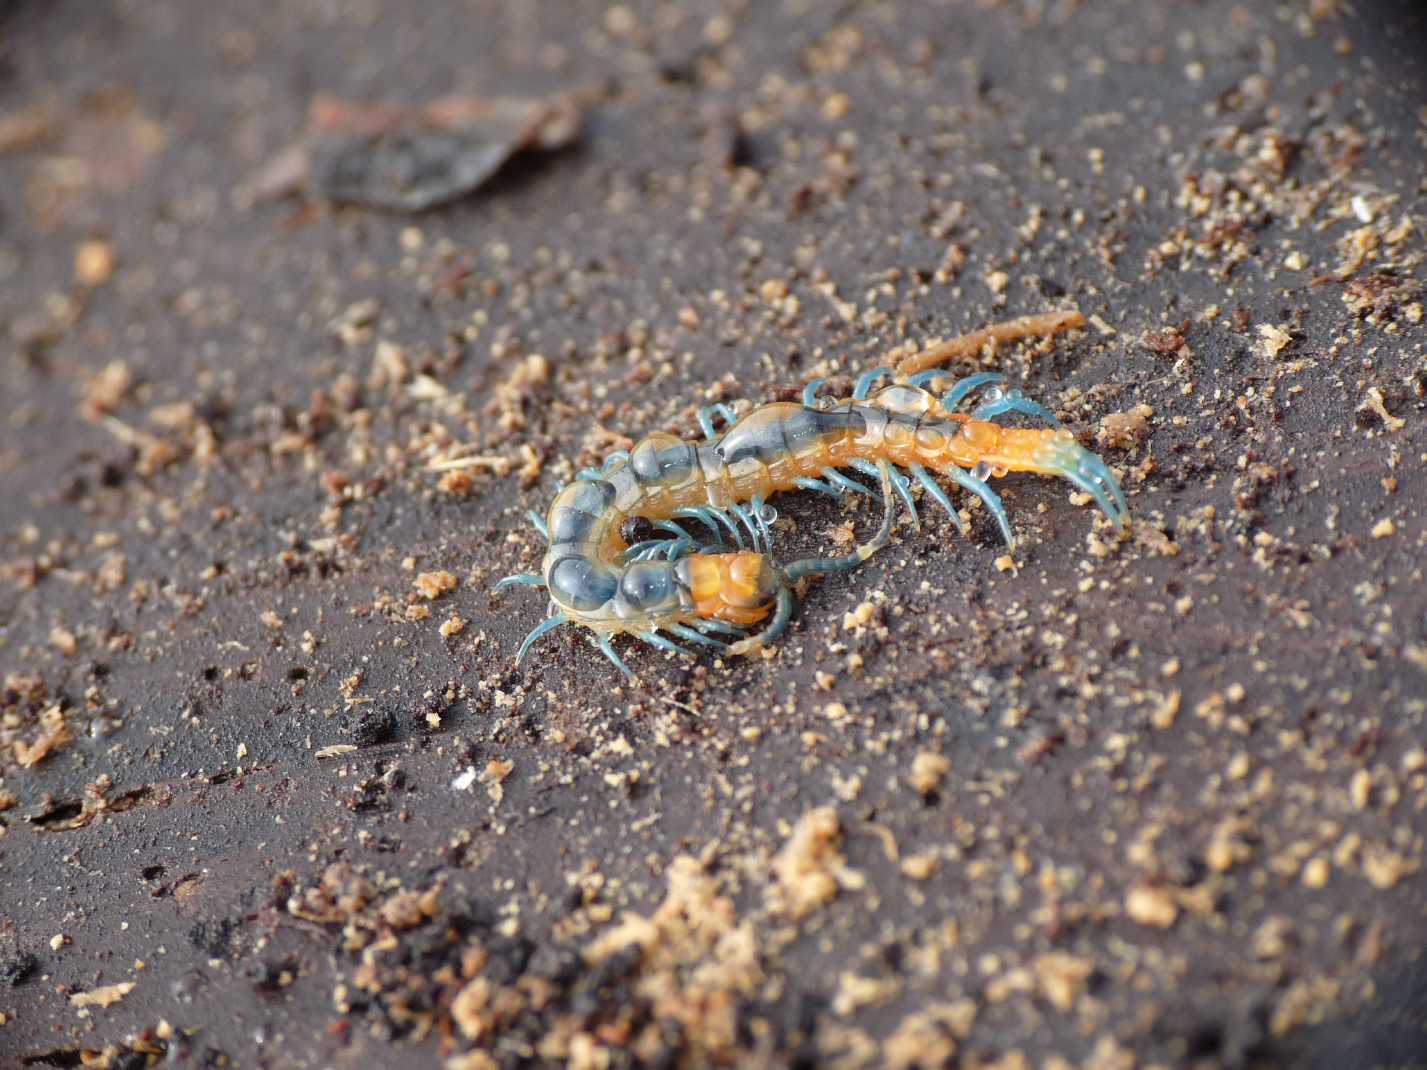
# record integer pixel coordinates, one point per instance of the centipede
(709, 577)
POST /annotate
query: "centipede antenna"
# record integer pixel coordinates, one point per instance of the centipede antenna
(607, 649)
(963, 387)
(932, 487)
(539, 630)
(692, 636)
(654, 639)
(865, 381)
(521, 579)
(982, 490)
(810, 393)
(539, 522)
(1013, 401)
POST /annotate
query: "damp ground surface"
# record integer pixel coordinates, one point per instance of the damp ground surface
(274, 793)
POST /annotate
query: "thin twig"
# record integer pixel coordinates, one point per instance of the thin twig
(1042, 325)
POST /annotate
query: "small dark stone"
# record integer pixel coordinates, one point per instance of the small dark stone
(16, 966)
(373, 727)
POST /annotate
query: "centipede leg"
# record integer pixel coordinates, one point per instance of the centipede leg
(708, 412)
(900, 483)
(765, 515)
(865, 381)
(539, 630)
(712, 518)
(607, 649)
(979, 487)
(932, 487)
(521, 579)
(1093, 476)
(747, 519)
(782, 613)
(722, 627)
(1012, 401)
(818, 566)
(810, 393)
(539, 522)
(837, 479)
(962, 388)
(808, 483)
(684, 632)
(654, 639)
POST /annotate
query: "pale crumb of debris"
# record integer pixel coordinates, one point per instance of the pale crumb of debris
(1316, 872)
(105, 996)
(54, 733)
(855, 992)
(417, 612)
(59, 940)
(773, 291)
(467, 778)
(93, 262)
(836, 106)
(1272, 938)
(406, 910)
(457, 483)
(336, 750)
(920, 867)
(1375, 403)
(1149, 904)
(390, 366)
(493, 777)
(1165, 711)
(1305, 1002)
(1100, 325)
(1384, 867)
(1273, 339)
(1414, 761)
(432, 585)
(996, 281)
(452, 625)
(1295, 261)
(1124, 430)
(1061, 977)
(62, 639)
(824, 680)
(469, 1006)
(859, 617)
(1413, 313)
(270, 619)
(1383, 529)
(106, 389)
(835, 711)
(1154, 540)
(929, 1037)
(532, 461)
(471, 1060)
(928, 771)
(1005, 563)
(1360, 789)
(810, 868)
(7, 800)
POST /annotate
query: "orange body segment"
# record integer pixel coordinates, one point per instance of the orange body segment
(731, 587)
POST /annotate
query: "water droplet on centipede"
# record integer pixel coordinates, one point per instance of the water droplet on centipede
(768, 514)
(981, 471)
(993, 393)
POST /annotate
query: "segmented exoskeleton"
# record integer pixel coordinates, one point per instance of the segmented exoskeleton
(725, 582)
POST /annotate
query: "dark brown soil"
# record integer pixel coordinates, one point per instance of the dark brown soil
(272, 793)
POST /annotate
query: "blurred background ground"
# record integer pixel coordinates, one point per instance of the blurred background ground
(272, 791)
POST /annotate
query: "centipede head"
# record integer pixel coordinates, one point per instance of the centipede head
(740, 588)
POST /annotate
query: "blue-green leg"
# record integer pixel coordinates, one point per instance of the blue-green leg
(810, 393)
(521, 579)
(979, 487)
(900, 483)
(607, 649)
(692, 636)
(539, 630)
(865, 381)
(963, 387)
(932, 487)
(539, 522)
(654, 639)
